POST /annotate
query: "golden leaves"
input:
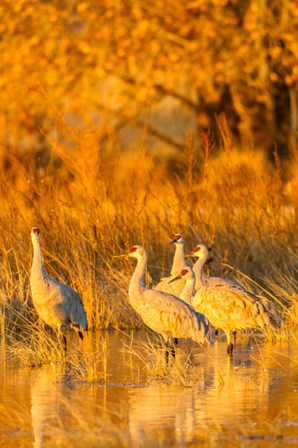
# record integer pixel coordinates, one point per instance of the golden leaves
(161, 42)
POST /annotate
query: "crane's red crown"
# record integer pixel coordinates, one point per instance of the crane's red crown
(177, 236)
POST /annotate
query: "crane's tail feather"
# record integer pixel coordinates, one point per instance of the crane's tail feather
(210, 334)
(207, 332)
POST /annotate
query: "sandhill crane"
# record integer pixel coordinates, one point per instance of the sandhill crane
(227, 306)
(178, 264)
(201, 252)
(58, 305)
(164, 313)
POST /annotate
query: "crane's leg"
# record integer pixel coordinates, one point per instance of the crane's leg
(170, 349)
(167, 356)
(65, 343)
(81, 335)
(62, 340)
(230, 346)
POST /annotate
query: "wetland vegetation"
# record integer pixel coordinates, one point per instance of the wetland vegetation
(105, 144)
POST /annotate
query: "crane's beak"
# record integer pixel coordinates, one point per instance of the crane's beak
(189, 255)
(120, 256)
(175, 278)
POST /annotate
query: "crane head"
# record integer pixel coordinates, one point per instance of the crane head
(185, 274)
(136, 251)
(200, 251)
(35, 232)
(177, 239)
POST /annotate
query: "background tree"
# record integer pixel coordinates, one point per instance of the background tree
(169, 65)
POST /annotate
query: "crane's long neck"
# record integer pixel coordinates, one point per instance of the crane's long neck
(179, 260)
(38, 271)
(137, 284)
(199, 273)
(187, 292)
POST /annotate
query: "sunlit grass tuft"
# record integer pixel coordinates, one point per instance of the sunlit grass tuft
(31, 344)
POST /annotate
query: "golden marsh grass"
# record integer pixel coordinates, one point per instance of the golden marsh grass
(93, 204)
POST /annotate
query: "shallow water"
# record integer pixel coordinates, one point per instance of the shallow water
(204, 398)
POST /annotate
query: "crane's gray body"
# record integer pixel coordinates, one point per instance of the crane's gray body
(58, 305)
